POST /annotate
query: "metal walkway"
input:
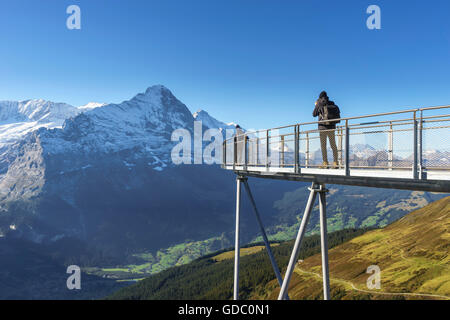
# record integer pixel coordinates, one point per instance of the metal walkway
(401, 150)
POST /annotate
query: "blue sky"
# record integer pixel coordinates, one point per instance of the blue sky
(256, 62)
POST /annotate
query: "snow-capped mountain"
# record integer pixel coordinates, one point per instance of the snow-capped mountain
(18, 118)
(108, 170)
(211, 122)
(133, 132)
(435, 158)
(35, 110)
(143, 124)
(91, 105)
(362, 150)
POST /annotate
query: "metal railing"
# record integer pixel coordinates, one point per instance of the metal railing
(415, 139)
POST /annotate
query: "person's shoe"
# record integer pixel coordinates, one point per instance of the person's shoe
(335, 165)
(324, 165)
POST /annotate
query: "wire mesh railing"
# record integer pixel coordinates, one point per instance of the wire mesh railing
(416, 140)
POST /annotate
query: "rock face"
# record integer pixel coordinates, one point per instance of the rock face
(106, 176)
(26, 175)
(18, 118)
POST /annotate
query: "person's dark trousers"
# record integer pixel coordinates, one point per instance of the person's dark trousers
(324, 134)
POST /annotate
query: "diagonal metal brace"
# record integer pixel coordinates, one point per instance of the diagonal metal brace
(264, 235)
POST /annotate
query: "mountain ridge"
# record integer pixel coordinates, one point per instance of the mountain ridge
(115, 151)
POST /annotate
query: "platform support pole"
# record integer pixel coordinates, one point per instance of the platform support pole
(324, 242)
(298, 241)
(314, 190)
(236, 242)
(263, 232)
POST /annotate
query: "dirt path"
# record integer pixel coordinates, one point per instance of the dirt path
(349, 283)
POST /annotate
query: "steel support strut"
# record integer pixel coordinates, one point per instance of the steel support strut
(298, 241)
(314, 189)
(236, 243)
(264, 235)
(324, 242)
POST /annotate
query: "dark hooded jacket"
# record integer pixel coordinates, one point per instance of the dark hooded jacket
(318, 111)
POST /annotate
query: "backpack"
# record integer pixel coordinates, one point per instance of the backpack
(329, 112)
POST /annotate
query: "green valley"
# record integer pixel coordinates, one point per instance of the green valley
(348, 207)
(211, 277)
(412, 254)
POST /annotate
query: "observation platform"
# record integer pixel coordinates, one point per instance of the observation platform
(407, 150)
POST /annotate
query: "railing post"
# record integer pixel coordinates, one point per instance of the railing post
(347, 149)
(340, 145)
(235, 153)
(224, 154)
(391, 147)
(296, 148)
(307, 150)
(257, 151)
(415, 163)
(422, 174)
(267, 150)
(245, 152)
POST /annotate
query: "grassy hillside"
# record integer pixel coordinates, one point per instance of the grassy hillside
(347, 207)
(145, 264)
(211, 277)
(412, 253)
